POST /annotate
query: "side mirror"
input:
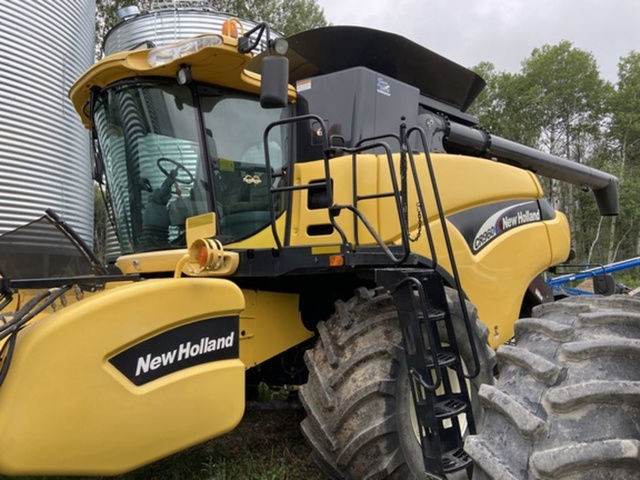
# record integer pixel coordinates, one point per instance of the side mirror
(275, 82)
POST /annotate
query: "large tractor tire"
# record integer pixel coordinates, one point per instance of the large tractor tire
(567, 402)
(358, 399)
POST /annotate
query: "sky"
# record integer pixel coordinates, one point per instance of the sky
(503, 32)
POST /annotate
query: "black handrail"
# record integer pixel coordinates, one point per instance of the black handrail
(327, 184)
(354, 180)
(325, 152)
(447, 240)
(395, 193)
(403, 146)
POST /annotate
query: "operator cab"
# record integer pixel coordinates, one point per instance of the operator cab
(174, 151)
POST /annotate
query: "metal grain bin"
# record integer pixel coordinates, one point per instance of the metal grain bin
(167, 25)
(44, 150)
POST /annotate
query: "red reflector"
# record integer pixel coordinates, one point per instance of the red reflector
(336, 261)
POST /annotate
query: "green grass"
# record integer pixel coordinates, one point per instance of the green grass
(631, 277)
(267, 445)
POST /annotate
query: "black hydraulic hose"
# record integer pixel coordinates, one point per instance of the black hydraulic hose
(32, 308)
(25, 309)
(11, 328)
(4, 301)
(54, 295)
(9, 346)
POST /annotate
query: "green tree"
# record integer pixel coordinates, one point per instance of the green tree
(504, 105)
(571, 100)
(559, 103)
(625, 134)
(285, 16)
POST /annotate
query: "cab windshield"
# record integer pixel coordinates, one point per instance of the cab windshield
(159, 172)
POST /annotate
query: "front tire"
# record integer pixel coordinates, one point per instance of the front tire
(567, 403)
(358, 400)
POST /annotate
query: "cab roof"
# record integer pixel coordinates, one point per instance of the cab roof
(220, 65)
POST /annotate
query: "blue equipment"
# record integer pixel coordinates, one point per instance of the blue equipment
(558, 284)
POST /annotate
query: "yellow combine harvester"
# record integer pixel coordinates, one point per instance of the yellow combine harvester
(357, 209)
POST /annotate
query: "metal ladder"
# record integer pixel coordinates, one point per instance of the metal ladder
(418, 293)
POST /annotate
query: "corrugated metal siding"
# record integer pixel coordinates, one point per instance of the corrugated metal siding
(44, 150)
(166, 26)
(112, 246)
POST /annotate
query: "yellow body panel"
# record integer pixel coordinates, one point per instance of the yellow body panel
(495, 279)
(559, 238)
(270, 324)
(464, 182)
(166, 260)
(66, 409)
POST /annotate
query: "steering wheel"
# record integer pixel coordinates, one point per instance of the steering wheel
(179, 166)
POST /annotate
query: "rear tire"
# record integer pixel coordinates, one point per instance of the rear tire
(567, 403)
(358, 400)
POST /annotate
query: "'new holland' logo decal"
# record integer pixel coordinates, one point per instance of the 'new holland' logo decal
(179, 348)
(481, 225)
(504, 220)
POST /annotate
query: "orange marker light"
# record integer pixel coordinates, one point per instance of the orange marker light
(336, 261)
(203, 256)
(230, 28)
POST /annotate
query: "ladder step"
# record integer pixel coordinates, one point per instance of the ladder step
(435, 314)
(455, 460)
(445, 359)
(450, 407)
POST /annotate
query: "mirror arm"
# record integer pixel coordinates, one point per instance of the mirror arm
(245, 47)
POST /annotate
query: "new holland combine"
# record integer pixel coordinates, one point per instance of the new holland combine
(331, 206)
